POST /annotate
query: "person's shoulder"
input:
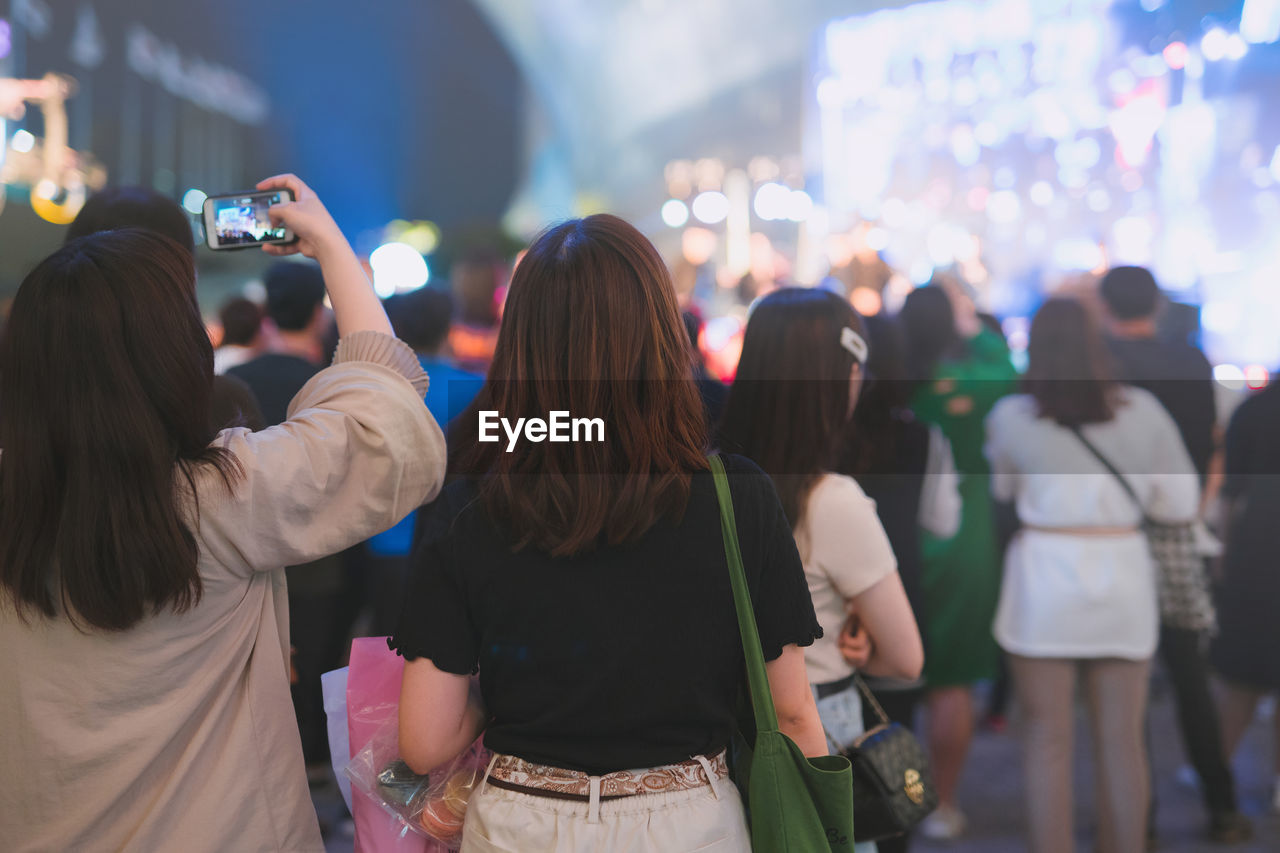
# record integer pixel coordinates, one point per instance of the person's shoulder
(838, 489)
(749, 483)
(735, 463)
(1139, 404)
(230, 383)
(1189, 357)
(455, 506)
(1262, 407)
(837, 497)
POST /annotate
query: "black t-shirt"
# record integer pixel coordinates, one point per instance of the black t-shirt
(625, 657)
(275, 379)
(1181, 378)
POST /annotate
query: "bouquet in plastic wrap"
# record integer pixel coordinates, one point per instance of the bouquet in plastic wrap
(388, 800)
(433, 805)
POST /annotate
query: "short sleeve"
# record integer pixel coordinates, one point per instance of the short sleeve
(436, 620)
(847, 540)
(780, 593)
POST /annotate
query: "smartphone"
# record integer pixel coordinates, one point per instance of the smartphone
(240, 221)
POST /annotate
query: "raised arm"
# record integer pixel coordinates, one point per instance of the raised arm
(356, 307)
(359, 450)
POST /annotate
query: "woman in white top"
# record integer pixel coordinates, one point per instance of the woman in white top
(796, 388)
(1079, 590)
(143, 610)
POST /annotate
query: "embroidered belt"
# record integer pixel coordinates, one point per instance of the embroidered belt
(516, 774)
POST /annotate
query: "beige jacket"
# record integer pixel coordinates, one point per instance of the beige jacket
(179, 733)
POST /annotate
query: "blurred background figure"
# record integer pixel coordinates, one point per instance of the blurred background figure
(959, 369)
(1179, 376)
(1250, 583)
(1079, 593)
(905, 466)
(802, 368)
(242, 334)
(295, 306)
(422, 319)
(712, 390)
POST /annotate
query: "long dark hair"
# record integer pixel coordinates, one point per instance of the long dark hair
(870, 444)
(929, 330)
(1068, 368)
(105, 374)
(590, 327)
(788, 406)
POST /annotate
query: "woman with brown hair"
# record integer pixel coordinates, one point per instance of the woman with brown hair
(586, 580)
(797, 386)
(1079, 593)
(142, 590)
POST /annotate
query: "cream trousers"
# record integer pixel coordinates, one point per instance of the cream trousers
(709, 819)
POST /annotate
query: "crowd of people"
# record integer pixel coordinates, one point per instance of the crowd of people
(190, 537)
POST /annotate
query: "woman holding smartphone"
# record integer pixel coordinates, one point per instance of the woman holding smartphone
(142, 595)
(587, 583)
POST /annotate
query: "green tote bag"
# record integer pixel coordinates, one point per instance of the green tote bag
(793, 803)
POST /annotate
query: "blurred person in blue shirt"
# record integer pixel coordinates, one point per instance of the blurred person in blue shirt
(422, 319)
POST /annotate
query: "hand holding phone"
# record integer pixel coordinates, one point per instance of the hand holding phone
(356, 307)
(242, 220)
(304, 216)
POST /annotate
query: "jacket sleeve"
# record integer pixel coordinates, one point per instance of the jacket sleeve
(358, 452)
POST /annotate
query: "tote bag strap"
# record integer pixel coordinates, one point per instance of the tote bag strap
(757, 679)
(1111, 469)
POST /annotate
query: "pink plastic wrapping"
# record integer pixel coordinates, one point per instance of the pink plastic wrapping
(394, 811)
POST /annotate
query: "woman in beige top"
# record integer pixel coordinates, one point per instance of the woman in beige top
(145, 702)
(796, 388)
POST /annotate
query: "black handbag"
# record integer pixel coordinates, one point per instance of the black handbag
(893, 787)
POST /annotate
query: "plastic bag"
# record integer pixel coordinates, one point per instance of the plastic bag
(432, 805)
(401, 813)
(373, 701)
(334, 687)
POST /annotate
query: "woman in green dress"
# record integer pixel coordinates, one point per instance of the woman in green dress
(961, 369)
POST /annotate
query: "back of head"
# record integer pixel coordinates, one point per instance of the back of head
(591, 328)
(871, 438)
(1068, 367)
(422, 318)
(929, 330)
(106, 374)
(1130, 293)
(133, 207)
(789, 403)
(294, 292)
(241, 321)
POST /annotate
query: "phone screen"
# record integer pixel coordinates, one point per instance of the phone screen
(243, 221)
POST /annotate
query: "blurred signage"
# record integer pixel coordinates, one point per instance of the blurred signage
(206, 84)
